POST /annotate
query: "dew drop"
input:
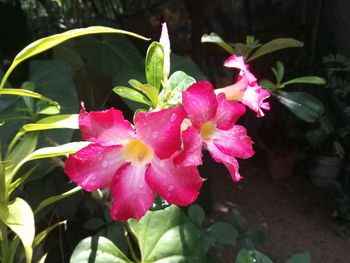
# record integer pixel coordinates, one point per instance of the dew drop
(154, 135)
(104, 164)
(170, 188)
(173, 117)
(141, 185)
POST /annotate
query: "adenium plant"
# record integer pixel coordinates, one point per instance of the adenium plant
(159, 153)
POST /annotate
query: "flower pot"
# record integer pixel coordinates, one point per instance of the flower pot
(324, 169)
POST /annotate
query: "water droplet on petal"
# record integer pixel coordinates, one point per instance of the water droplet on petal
(170, 188)
(104, 164)
(154, 135)
(173, 117)
(141, 185)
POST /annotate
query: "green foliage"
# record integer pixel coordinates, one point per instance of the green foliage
(54, 40)
(302, 104)
(215, 38)
(167, 236)
(300, 258)
(154, 64)
(162, 236)
(20, 220)
(251, 256)
(97, 250)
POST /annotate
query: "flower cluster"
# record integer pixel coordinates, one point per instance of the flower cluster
(160, 153)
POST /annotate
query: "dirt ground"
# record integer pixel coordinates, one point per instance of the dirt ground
(295, 215)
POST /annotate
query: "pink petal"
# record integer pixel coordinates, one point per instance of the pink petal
(238, 62)
(235, 91)
(161, 130)
(191, 155)
(200, 102)
(229, 161)
(106, 127)
(228, 112)
(254, 97)
(132, 197)
(177, 185)
(234, 142)
(94, 166)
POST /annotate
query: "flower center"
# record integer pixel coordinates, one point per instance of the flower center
(208, 129)
(136, 152)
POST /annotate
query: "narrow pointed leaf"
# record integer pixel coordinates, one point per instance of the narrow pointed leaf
(274, 45)
(150, 91)
(54, 106)
(51, 41)
(43, 258)
(155, 64)
(56, 198)
(21, 221)
(267, 84)
(43, 234)
(308, 80)
(100, 249)
(302, 104)
(131, 94)
(214, 38)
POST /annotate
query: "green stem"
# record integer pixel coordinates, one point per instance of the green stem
(4, 242)
(131, 247)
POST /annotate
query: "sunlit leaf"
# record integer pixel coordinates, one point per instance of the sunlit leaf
(150, 91)
(274, 45)
(131, 94)
(154, 64)
(53, 199)
(214, 38)
(100, 249)
(43, 234)
(20, 220)
(167, 236)
(22, 92)
(51, 41)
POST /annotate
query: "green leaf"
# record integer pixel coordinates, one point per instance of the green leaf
(179, 81)
(46, 152)
(267, 84)
(100, 249)
(274, 45)
(150, 91)
(257, 236)
(166, 236)
(68, 121)
(300, 258)
(21, 92)
(280, 71)
(154, 64)
(196, 214)
(22, 149)
(131, 94)
(237, 222)
(43, 234)
(51, 41)
(43, 258)
(308, 80)
(302, 104)
(20, 220)
(56, 198)
(222, 232)
(251, 256)
(214, 38)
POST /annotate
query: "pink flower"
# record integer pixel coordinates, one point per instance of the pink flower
(136, 162)
(246, 89)
(213, 118)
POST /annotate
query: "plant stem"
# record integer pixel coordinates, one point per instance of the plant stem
(131, 247)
